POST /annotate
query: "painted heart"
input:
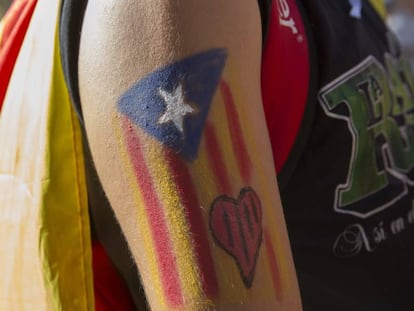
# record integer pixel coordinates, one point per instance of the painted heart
(236, 226)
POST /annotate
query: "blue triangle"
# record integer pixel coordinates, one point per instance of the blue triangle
(199, 76)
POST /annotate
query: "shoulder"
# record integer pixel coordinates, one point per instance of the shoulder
(122, 41)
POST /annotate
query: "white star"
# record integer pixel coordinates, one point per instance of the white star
(177, 108)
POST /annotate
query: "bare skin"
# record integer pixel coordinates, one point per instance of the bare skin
(122, 43)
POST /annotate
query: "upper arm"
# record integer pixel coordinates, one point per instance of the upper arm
(171, 98)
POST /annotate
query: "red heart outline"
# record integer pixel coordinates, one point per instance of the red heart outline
(236, 226)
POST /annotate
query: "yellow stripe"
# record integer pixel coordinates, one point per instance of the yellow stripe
(150, 275)
(64, 215)
(232, 289)
(74, 222)
(187, 263)
(379, 5)
(260, 178)
(270, 215)
(218, 115)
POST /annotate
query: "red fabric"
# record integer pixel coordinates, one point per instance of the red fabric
(16, 21)
(111, 294)
(285, 78)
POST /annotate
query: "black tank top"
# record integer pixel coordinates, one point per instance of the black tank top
(348, 197)
(348, 202)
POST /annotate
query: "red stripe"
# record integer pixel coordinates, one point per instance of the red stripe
(274, 267)
(239, 146)
(193, 212)
(215, 158)
(16, 22)
(160, 234)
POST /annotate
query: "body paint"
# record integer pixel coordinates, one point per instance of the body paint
(194, 219)
(237, 227)
(216, 160)
(236, 133)
(262, 183)
(178, 225)
(220, 166)
(172, 103)
(147, 251)
(165, 256)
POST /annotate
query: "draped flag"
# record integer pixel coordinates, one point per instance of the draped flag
(45, 251)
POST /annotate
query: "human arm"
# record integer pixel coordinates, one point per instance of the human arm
(171, 99)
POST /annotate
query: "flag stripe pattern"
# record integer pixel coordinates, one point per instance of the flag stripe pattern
(162, 239)
(219, 165)
(149, 255)
(215, 158)
(171, 180)
(195, 222)
(274, 267)
(192, 270)
(239, 145)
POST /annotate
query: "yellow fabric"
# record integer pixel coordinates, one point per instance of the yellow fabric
(379, 5)
(1, 30)
(45, 249)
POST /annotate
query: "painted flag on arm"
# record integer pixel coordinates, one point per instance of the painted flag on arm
(170, 130)
(171, 105)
